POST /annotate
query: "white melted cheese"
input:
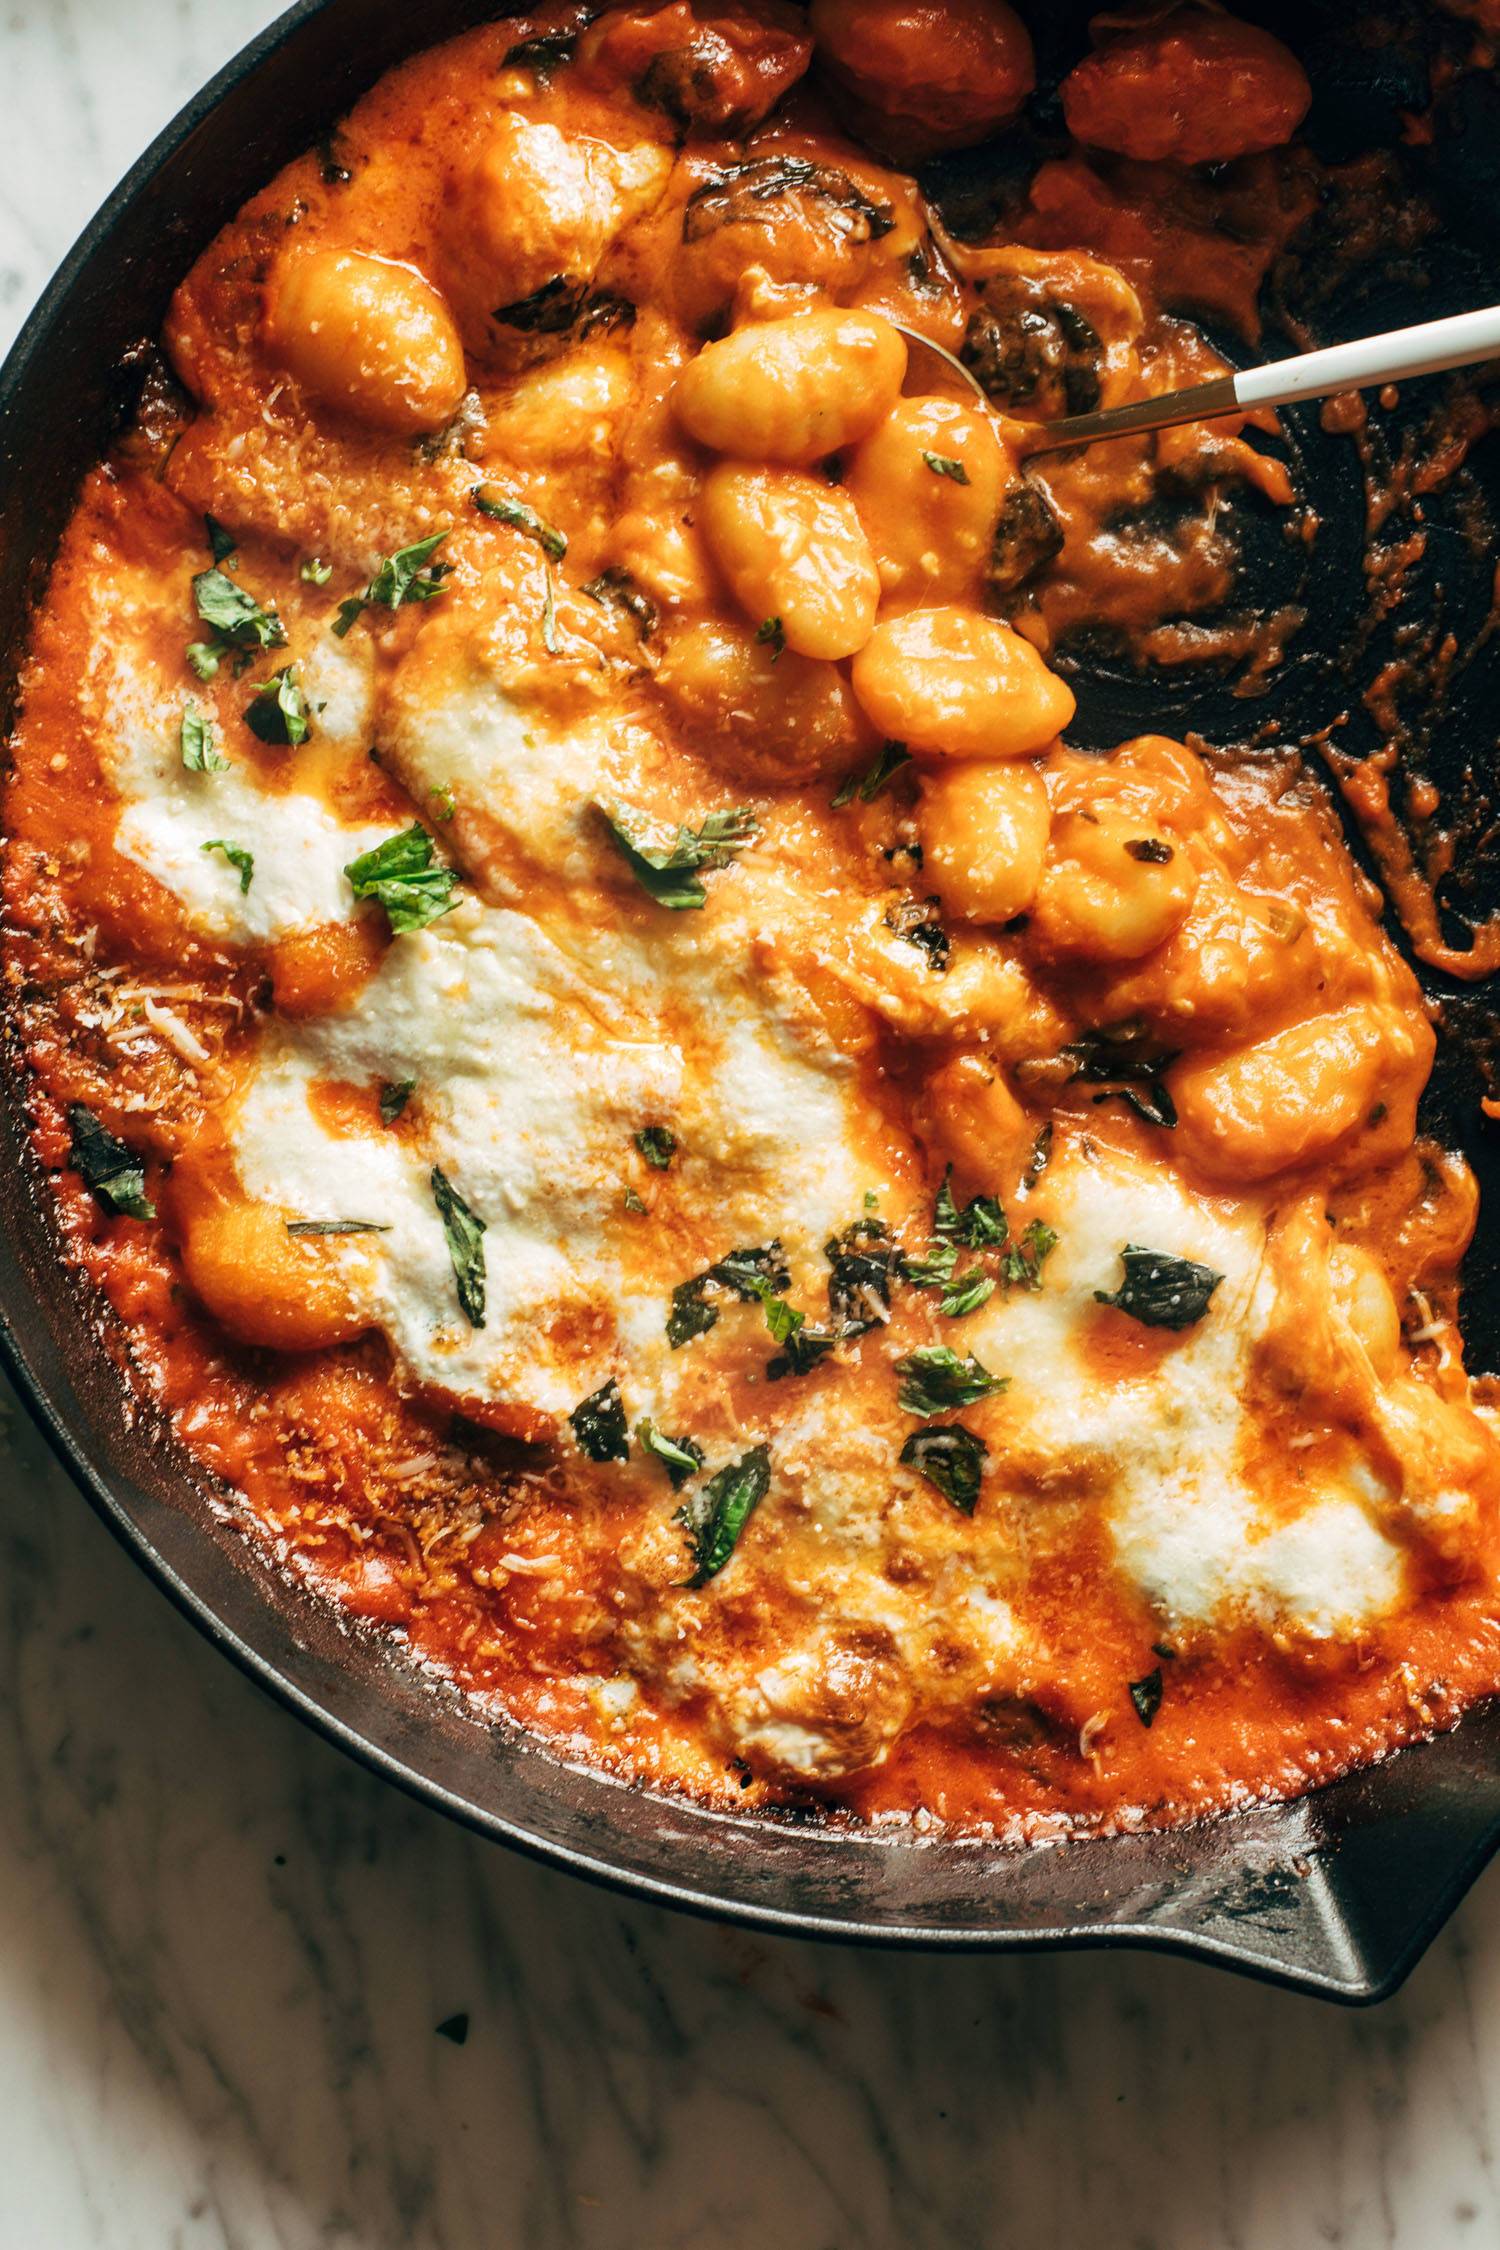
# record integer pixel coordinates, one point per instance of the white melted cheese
(534, 1070)
(170, 817)
(1192, 1530)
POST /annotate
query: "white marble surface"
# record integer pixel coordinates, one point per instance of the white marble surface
(224, 1950)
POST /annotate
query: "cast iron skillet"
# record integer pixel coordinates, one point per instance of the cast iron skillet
(1336, 1894)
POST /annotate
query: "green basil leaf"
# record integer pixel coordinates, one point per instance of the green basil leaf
(1145, 1694)
(715, 1517)
(893, 756)
(598, 1424)
(402, 875)
(277, 712)
(980, 1225)
(335, 1226)
(394, 1097)
(666, 864)
(237, 857)
(933, 1378)
(952, 1460)
(616, 588)
(195, 740)
(315, 572)
(772, 635)
(238, 619)
(404, 576)
(110, 1170)
(464, 1231)
(966, 1292)
(490, 501)
(1021, 1266)
(658, 1145)
(681, 1457)
(943, 465)
(1161, 1291)
(221, 542)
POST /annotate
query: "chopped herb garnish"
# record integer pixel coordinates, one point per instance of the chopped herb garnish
(240, 623)
(863, 1261)
(107, 1167)
(403, 876)
(966, 1292)
(633, 1203)
(979, 1225)
(547, 52)
(935, 1270)
(893, 756)
(618, 588)
(950, 1458)
(933, 1378)
(443, 801)
(498, 505)
(919, 923)
(336, 1226)
(277, 712)
(550, 641)
(802, 1346)
(658, 1145)
(315, 572)
(394, 1097)
(464, 1230)
(1145, 1694)
(599, 1424)
(195, 737)
(1021, 1266)
(1161, 1291)
(1125, 1061)
(944, 465)
(1150, 850)
(667, 865)
(681, 1457)
(409, 575)
(754, 1276)
(772, 635)
(715, 1516)
(237, 857)
(221, 542)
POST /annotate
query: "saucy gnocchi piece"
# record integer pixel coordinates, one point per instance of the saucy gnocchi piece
(644, 1097)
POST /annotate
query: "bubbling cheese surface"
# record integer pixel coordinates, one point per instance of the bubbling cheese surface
(790, 1259)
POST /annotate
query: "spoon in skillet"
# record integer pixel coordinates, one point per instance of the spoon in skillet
(1426, 349)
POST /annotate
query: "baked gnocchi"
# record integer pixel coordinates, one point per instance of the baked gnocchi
(635, 1077)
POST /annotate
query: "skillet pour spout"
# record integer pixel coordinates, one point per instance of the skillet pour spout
(1335, 1894)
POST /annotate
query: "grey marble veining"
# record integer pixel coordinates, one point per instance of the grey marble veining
(224, 1950)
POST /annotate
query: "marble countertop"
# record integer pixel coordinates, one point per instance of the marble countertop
(226, 1952)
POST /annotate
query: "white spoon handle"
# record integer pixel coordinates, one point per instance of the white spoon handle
(1402, 352)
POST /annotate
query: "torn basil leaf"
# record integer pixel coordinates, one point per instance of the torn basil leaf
(772, 635)
(802, 1347)
(633, 1203)
(935, 1270)
(335, 1226)
(107, 1168)
(919, 923)
(403, 876)
(681, 1457)
(616, 588)
(492, 502)
(863, 1262)
(980, 1225)
(544, 54)
(754, 1276)
(464, 1232)
(1145, 1694)
(315, 572)
(240, 623)
(195, 740)
(598, 1423)
(409, 575)
(943, 465)
(1021, 1266)
(221, 541)
(238, 858)
(933, 1378)
(715, 1516)
(658, 1145)
(952, 1459)
(277, 712)
(965, 1293)
(1161, 1291)
(394, 1097)
(667, 865)
(893, 756)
